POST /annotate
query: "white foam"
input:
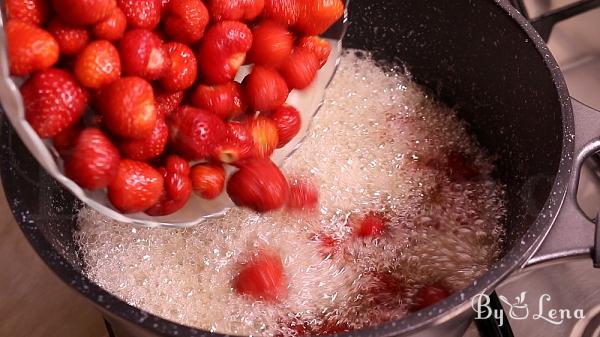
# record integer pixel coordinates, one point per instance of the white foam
(366, 150)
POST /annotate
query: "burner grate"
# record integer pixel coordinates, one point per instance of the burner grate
(546, 22)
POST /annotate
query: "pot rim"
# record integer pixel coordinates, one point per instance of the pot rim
(436, 314)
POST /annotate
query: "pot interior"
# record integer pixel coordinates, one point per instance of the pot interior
(470, 54)
(474, 57)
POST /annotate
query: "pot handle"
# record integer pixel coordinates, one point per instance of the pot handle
(573, 232)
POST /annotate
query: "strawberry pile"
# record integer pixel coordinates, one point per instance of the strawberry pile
(166, 112)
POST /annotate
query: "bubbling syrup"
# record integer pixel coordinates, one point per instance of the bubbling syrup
(380, 144)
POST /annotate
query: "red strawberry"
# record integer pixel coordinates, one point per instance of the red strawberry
(264, 89)
(328, 246)
(71, 39)
(282, 11)
(186, 20)
(221, 10)
(223, 50)
(300, 69)
(382, 296)
(304, 195)
(178, 187)
(316, 45)
(93, 161)
(179, 165)
(32, 11)
(238, 144)
(83, 12)
(53, 100)
(297, 327)
(208, 180)
(288, 122)
(429, 295)
(262, 278)
(384, 287)
(195, 133)
(370, 225)
(165, 4)
(265, 135)
(332, 328)
(127, 106)
(259, 185)
(254, 9)
(460, 168)
(224, 100)
(167, 102)
(141, 13)
(308, 328)
(316, 16)
(30, 48)
(457, 166)
(144, 54)
(98, 65)
(272, 44)
(136, 187)
(147, 148)
(112, 27)
(183, 70)
(235, 10)
(65, 140)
